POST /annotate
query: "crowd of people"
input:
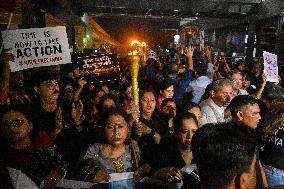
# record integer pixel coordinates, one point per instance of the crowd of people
(222, 120)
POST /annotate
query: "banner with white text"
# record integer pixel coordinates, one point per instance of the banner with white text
(37, 47)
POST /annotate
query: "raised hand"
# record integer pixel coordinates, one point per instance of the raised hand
(82, 82)
(138, 129)
(190, 51)
(58, 119)
(207, 52)
(133, 111)
(263, 78)
(77, 111)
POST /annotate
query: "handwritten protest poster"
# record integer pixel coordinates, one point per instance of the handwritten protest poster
(270, 66)
(37, 47)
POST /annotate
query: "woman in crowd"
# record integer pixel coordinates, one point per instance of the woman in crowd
(168, 112)
(150, 126)
(126, 94)
(175, 153)
(166, 91)
(35, 154)
(115, 155)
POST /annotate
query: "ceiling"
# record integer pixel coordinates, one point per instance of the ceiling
(121, 18)
(171, 9)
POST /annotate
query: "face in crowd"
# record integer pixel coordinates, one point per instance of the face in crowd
(116, 130)
(108, 103)
(168, 92)
(169, 109)
(15, 127)
(185, 132)
(223, 96)
(237, 80)
(68, 92)
(48, 90)
(148, 103)
(246, 82)
(250, 115)
(98, 96)
(128, 92)
(197, 112)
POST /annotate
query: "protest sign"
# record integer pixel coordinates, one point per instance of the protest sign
(37, 47)
(99, 67)
(270, 66)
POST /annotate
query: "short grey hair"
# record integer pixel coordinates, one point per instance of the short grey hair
(219, 83)
(230, 75)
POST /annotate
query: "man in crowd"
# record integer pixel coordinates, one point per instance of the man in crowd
(49, 113)
(224, 158)
(220, 97)
(199, 85)
(245, 114)
(237, 79)
(245, 111)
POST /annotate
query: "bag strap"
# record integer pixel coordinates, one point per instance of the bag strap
(134, 156)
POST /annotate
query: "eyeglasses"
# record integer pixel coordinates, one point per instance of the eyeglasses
(167, 108)
(50, 85)
(238, 81)
(14, 123)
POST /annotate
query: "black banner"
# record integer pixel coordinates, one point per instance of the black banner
(98, 67)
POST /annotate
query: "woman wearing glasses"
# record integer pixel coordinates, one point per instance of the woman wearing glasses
(34, 154)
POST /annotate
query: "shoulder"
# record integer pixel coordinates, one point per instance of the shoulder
(205, 106)
(92, 151)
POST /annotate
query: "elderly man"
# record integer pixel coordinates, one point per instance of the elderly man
(220, 97)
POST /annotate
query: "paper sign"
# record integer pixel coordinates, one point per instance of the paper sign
(270, 66)
(37, 47)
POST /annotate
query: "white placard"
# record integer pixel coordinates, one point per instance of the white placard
(37, 47)
(270, 67)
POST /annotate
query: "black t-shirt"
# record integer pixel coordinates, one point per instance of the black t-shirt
(167, 155)
(42, 120)
(273, 152)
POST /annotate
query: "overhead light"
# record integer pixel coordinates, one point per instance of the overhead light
(176, 10)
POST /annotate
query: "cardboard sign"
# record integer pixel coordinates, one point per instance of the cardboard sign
(99, 67)
(270, 66)
(37, 47)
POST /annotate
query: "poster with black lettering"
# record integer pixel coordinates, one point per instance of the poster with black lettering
(37, 47)
(98, 67)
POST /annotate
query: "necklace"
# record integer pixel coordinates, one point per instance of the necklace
(118, 165)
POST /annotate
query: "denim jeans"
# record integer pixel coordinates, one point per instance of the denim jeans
(274, 176)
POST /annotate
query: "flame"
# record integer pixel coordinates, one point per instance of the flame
(135, 42)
